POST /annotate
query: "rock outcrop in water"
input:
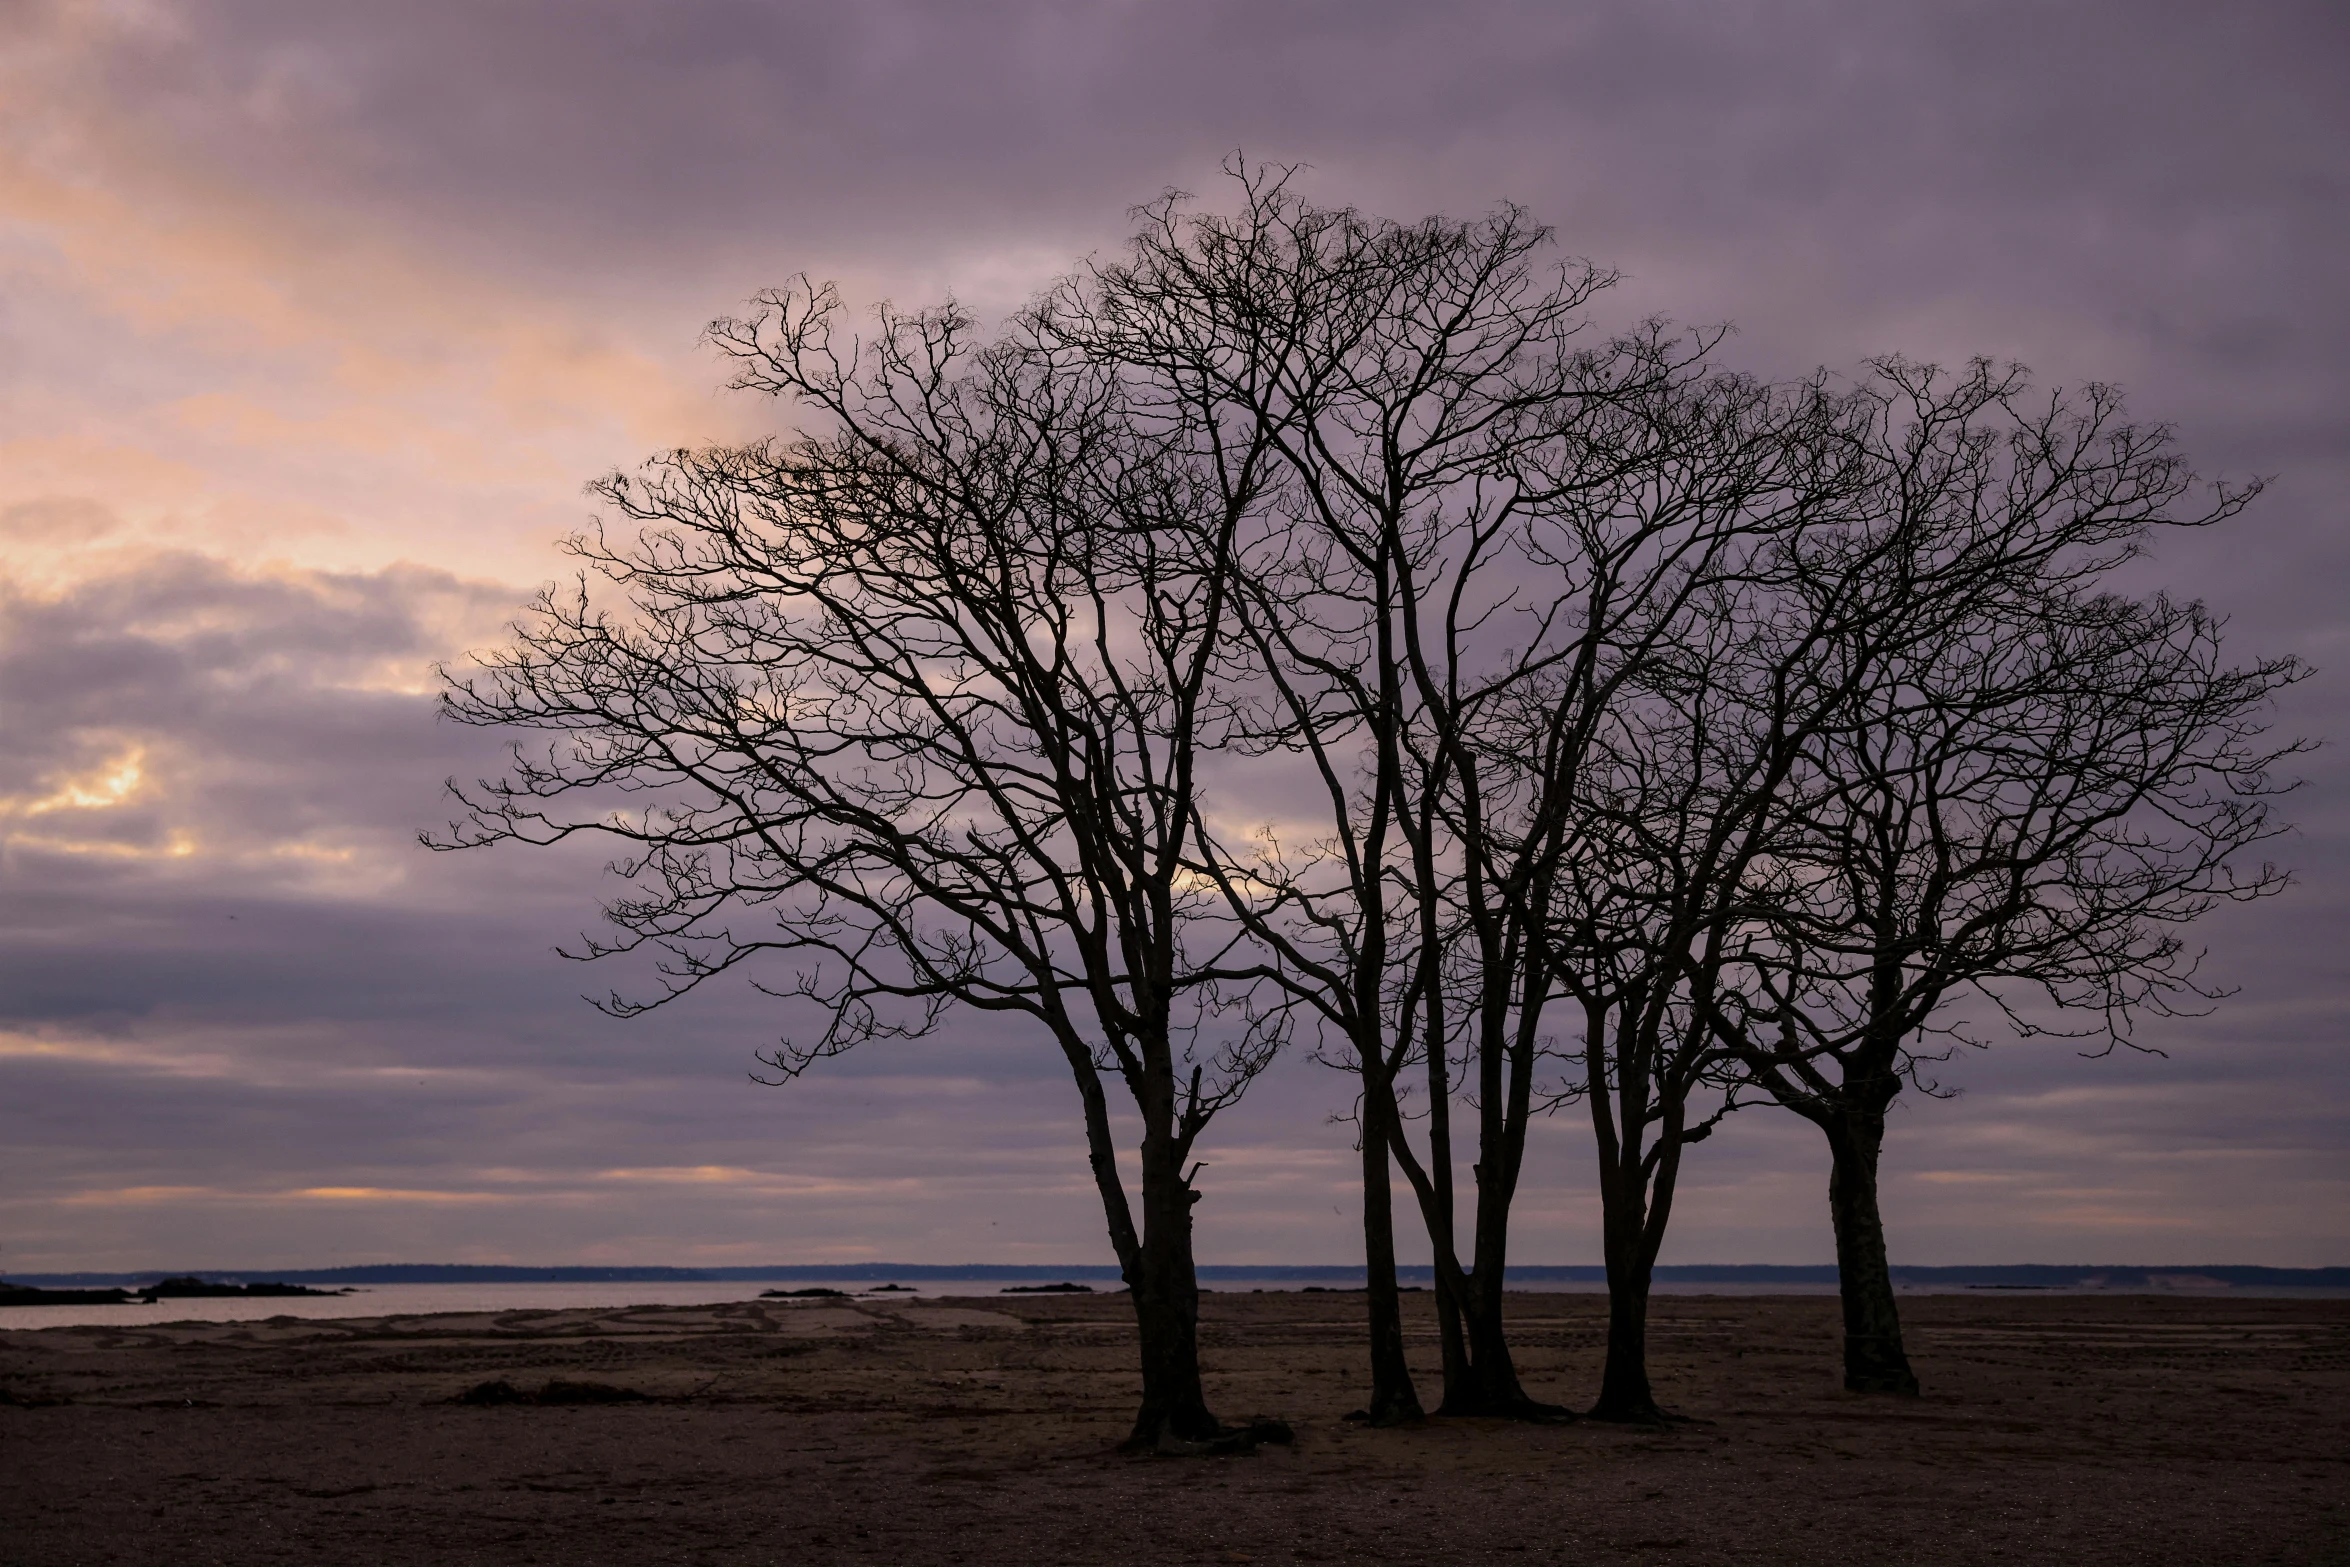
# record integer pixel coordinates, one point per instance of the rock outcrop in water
(26, 1295)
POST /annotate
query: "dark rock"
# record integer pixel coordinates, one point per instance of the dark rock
(26, 1295)
(559, 1392)
(1063, 1288)
(186, 1288)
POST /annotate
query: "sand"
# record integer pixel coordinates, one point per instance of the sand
(2057, 1429)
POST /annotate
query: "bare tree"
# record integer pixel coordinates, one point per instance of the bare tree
(910, 713)
(1962, 519)
(2028, 792)
(1493, 530)
(1416, 383)
(1646, 791)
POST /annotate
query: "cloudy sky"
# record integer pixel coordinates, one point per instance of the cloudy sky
(314, 318)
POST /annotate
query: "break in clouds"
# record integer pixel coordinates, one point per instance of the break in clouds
(320, 316)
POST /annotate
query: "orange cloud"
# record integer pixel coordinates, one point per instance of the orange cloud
(245, 372)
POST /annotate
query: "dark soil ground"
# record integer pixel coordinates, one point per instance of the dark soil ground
(2073, 1430)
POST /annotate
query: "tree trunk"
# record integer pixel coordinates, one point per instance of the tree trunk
(1493, 1374)
(1479, 1378)
(1460, 1386)
(1394, 1399)
(1165, 1290)
(1624, 1393)
(1436, 1211)
(1874, 1361)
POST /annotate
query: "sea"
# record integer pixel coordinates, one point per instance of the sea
(408, 1299)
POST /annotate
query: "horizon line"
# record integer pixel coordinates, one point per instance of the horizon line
(601, 1273)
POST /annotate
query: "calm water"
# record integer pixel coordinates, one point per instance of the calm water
(389, 1300)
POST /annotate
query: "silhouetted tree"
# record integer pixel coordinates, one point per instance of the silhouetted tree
(2030, 787)
(910, 713)
(1426, 396)
(1648, 801)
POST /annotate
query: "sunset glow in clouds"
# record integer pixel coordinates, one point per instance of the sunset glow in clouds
(316, 318)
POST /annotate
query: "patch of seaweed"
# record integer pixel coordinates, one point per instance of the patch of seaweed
(557, 1391)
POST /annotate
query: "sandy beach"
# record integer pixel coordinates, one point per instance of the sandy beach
(2077, 1429)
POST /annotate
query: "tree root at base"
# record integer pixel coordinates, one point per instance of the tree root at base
(1898, 1384)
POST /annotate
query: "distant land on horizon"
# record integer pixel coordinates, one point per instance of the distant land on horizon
(2028, 1274)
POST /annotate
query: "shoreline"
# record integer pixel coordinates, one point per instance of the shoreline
(367, 1302)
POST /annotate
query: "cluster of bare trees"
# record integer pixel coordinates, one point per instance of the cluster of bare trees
(1307, 629)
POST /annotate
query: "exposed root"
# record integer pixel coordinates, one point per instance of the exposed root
(1900, 1384)
(1385, 1420)
(1538, 1413)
